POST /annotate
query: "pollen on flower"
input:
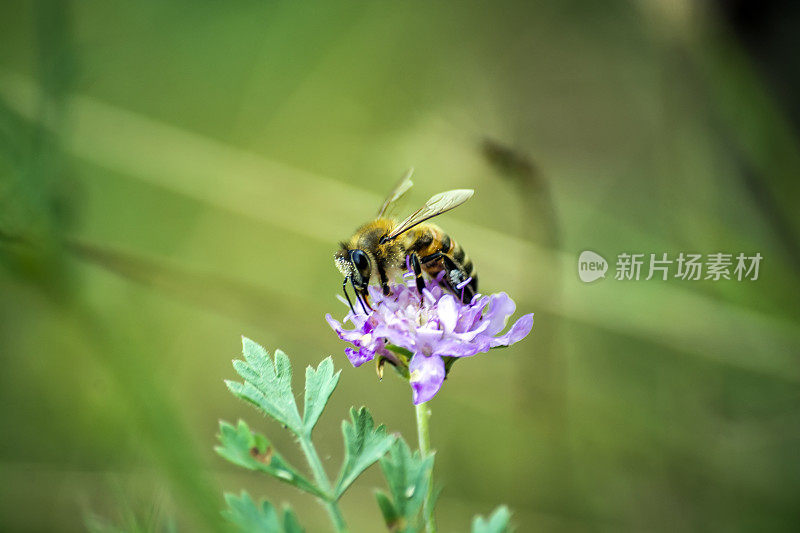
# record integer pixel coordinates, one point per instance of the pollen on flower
(430, 326)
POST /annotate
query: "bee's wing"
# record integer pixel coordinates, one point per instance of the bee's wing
(399, 190)
(437, 205)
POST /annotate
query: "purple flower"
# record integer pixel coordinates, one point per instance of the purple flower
(429, 327)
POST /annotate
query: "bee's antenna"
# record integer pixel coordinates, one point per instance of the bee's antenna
(344, 290)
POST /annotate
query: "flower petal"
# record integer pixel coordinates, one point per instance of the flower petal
(375, 293)
(427, 376)
(501, 306)
(433, 325)
(427, 338)
(518, 331)
(358, 357)
(448, 313)
(453, 347)
(335, 324)
(470, 315)
(470, 335)
(349, 335)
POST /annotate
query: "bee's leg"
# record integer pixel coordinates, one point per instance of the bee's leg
(457, 279)
(359, 297)
(417, 272)
(364, 296)
(384, 281)
(453, 269)
(364, 304)
(344, 290)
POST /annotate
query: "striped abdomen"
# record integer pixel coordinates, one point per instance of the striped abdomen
(428, 239)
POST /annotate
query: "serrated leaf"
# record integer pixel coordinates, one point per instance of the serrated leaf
(498, 522)
(253, 451)
(248, 517)
(363, 445)
(267, 384)
(408, 477)
(319, 387)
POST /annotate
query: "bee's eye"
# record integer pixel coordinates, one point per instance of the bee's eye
(360, 260)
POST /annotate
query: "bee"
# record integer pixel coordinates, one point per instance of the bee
(382, 249)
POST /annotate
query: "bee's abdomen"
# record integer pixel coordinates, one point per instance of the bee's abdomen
(430, 239)
(460, 256)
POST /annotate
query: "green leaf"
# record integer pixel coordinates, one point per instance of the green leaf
(363, 445)
(319, 387)
(290, 523)
(253, 451)
(404, 353)
(392, 518)
(448, 363)
(498, 522)
(408, 477)
(249, 517)
(267, 384)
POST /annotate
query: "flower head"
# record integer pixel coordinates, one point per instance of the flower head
(431, 326)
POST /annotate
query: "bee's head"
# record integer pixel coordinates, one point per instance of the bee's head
(355, 265)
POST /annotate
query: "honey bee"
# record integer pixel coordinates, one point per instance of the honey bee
(382, 248)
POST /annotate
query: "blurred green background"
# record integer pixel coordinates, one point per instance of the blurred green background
(174, 175)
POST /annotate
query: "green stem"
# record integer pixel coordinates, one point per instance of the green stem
(331, 504)
(423, 431)
(336, 516)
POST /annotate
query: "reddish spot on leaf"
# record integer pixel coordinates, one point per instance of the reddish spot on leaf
(265, 457)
